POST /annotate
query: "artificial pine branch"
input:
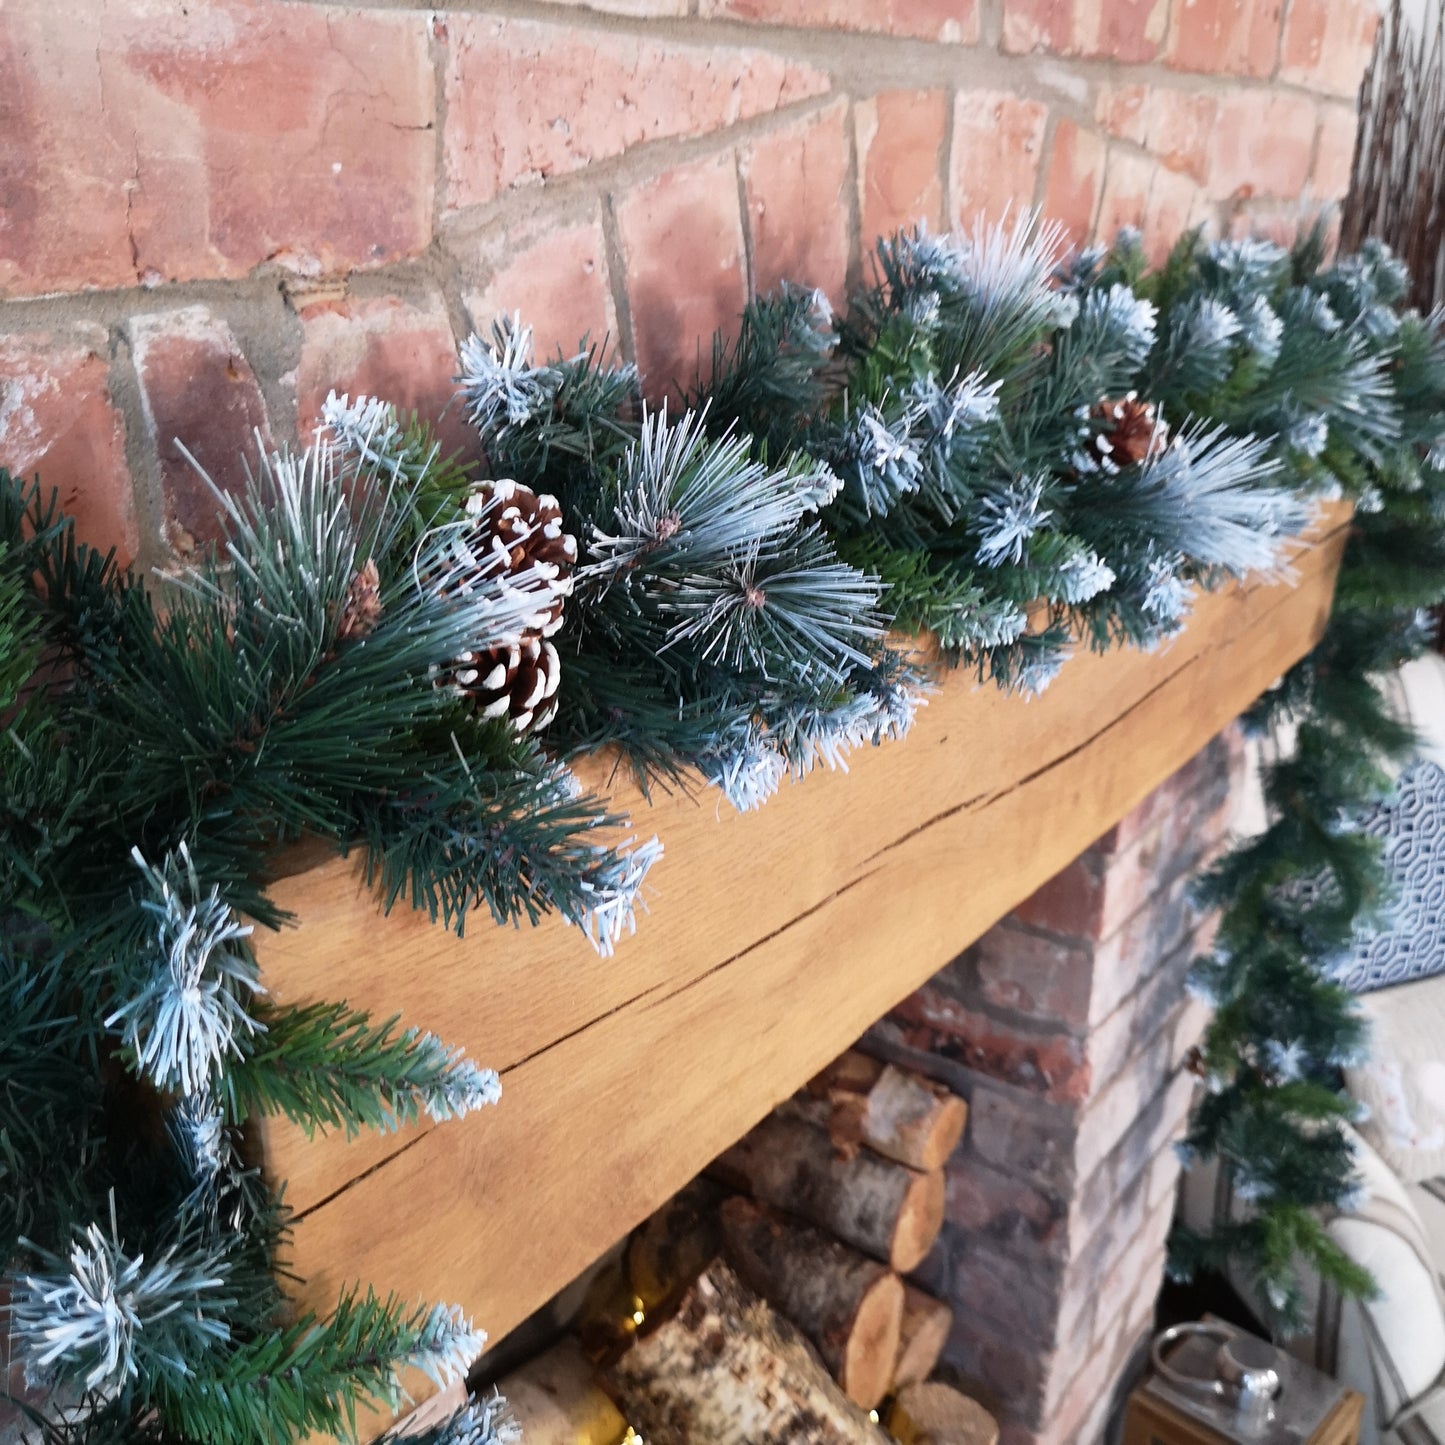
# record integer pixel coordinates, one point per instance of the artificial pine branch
(988, 436)
(1353, 393)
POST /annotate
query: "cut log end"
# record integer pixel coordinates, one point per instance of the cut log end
(897, 1113)
(935, 1414)
(867, 1368)
(919, 1221)
(888, 1210)
(924, 1333)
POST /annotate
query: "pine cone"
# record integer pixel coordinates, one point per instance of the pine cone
(519, 682)
(515, 530)
(362, 610)
(1132, 431)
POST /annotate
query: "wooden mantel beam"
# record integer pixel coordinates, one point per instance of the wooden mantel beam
(774, 940)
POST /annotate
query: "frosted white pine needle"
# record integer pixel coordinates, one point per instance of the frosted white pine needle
(1009, 519)
(88, 1319)
(613, 893)
(183, 1021)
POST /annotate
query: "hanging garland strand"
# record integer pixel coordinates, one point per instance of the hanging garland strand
(1014, 454)
(1292, 899)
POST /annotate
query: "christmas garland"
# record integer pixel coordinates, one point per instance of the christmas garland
(377, 652)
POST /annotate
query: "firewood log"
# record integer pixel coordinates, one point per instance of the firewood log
(934, 1414)
(926, 1323)
(885, 1209)
(557, 1401)
(901, 1115)
(727, 1370)
(673, 1246)
(848, 1305)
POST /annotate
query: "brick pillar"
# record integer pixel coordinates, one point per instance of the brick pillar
(1066, 1027)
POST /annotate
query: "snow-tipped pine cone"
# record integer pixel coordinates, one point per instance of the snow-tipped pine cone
(517, 682)
(516, 531)
(1131, 432)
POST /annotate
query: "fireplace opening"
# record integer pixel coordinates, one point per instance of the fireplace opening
(956, 1231)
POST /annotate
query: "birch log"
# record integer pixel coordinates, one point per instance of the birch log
(849, 1306)
(557, 1401)
(883, 1208)
(896, 1113)
(727, 1370)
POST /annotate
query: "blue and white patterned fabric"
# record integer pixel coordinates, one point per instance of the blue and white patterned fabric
(1411, 944)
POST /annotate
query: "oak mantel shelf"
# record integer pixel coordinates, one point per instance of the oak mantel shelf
(773, 940)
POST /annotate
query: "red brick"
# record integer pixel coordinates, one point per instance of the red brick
(1139, 1020)
(988, 1204)
(1232, 37)
(1045, 978)
(1007, 1369)
(383, 347)
(57, 421)
(558, 283)
(1075, 179)
(528, 101)
(1263, 145)
(796, 181)
(1124, 30)
(1161, 204)
(1071, 902)
(1327, 44)
(1017, 1298)
(1035, 1142)
(682, 237)
(900, 136)
(1334, 154)
(1110, 1114)
(1126, 192)
(1139, 1270)
(1039, 1060)
(949, 20)
(1131, 954)
(1174, 125)
(1175, 204)
(167, 142)
(997, 146)
(197, 388)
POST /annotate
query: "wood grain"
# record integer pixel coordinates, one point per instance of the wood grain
(774, 940)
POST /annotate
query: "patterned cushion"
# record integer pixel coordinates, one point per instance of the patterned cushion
(1411, 945)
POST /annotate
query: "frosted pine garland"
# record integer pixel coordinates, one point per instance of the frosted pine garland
(941, 457)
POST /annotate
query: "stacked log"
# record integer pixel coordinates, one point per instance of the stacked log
(779, 1314)
(923, 1332)
(847, 1192)
(900, 1115)
(557, 1401)
(887, 1210)
(934, 1414)
(849, 1306)
(729, 1370)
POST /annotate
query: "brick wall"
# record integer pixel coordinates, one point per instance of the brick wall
(216, 210)
(1067, 1027)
